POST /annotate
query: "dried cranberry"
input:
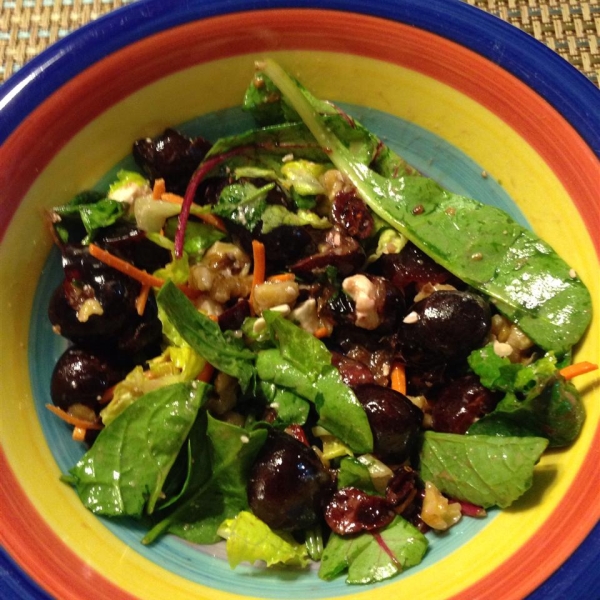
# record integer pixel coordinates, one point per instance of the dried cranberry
(352, 511)
(402, 489)
(352, 214)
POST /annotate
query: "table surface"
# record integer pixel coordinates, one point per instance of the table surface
(569, 27)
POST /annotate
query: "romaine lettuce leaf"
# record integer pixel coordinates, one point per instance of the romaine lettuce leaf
(251, 540)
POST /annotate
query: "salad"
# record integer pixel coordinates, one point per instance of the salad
(291, 340)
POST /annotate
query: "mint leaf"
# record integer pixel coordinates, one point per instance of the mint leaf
(483, 470)
(373, 557)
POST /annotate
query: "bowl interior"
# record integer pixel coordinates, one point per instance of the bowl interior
(443, 107)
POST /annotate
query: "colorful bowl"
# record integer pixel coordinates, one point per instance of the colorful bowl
(468, 99)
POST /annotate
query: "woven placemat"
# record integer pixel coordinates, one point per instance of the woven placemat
(570, 27)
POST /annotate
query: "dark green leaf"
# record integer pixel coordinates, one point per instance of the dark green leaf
(124, 471)
(369, 558)
(205, 336)
(479, 244)
(222, 495)
(243, 203)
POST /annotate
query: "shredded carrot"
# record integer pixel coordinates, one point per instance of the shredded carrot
(172, 198)
(282, 277)
(140, 301)
(79, 434)
(119, 264)
(71, 420)
(208, 218)
(107, 396)
(159, 188)
(577, 369)
(321, 332)
(398, 378)
(258, 275)
(206, 374)
(143, 277)
(213, 318)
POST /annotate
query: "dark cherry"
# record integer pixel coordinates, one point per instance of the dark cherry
(411, 265)
(353, 372)
(461, 403)
(288, 484)
(339, 250)
(81, 377)
(394, 419)
(171, 156)
(352, 214)
(352, 511)
(233, 317)
(446, 326)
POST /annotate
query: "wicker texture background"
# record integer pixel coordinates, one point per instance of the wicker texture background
(570, 27)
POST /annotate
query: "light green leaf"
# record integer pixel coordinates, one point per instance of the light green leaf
(484, 470)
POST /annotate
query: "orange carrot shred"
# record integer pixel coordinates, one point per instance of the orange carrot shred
(126, 268)
(398, 378)
(258, 275)
(282, 277)
(71, 420)
(79, 434)
(578, 369)
(321, 332)
(113, 261)
(172, 198)
(213, 220)
(108, 394)
(158, 189)
(206, 374)
(142, 299)
(208, 218)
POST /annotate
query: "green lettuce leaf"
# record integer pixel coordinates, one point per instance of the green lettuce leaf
(251, 540)
(174, 365)
(484, 470)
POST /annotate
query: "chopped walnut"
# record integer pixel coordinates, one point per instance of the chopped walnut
(437, 512)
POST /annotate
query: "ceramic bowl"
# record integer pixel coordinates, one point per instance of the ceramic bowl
(465, 97)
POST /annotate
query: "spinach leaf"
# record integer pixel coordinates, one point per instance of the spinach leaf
(124, 471)
(243, 203)
(205, 336)
(352, 473)
(483, 470)
(339, 410)
(479, 244)
(373, 557)
(296, 345)
(291, 409)
(218, 492)
(93, 210)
